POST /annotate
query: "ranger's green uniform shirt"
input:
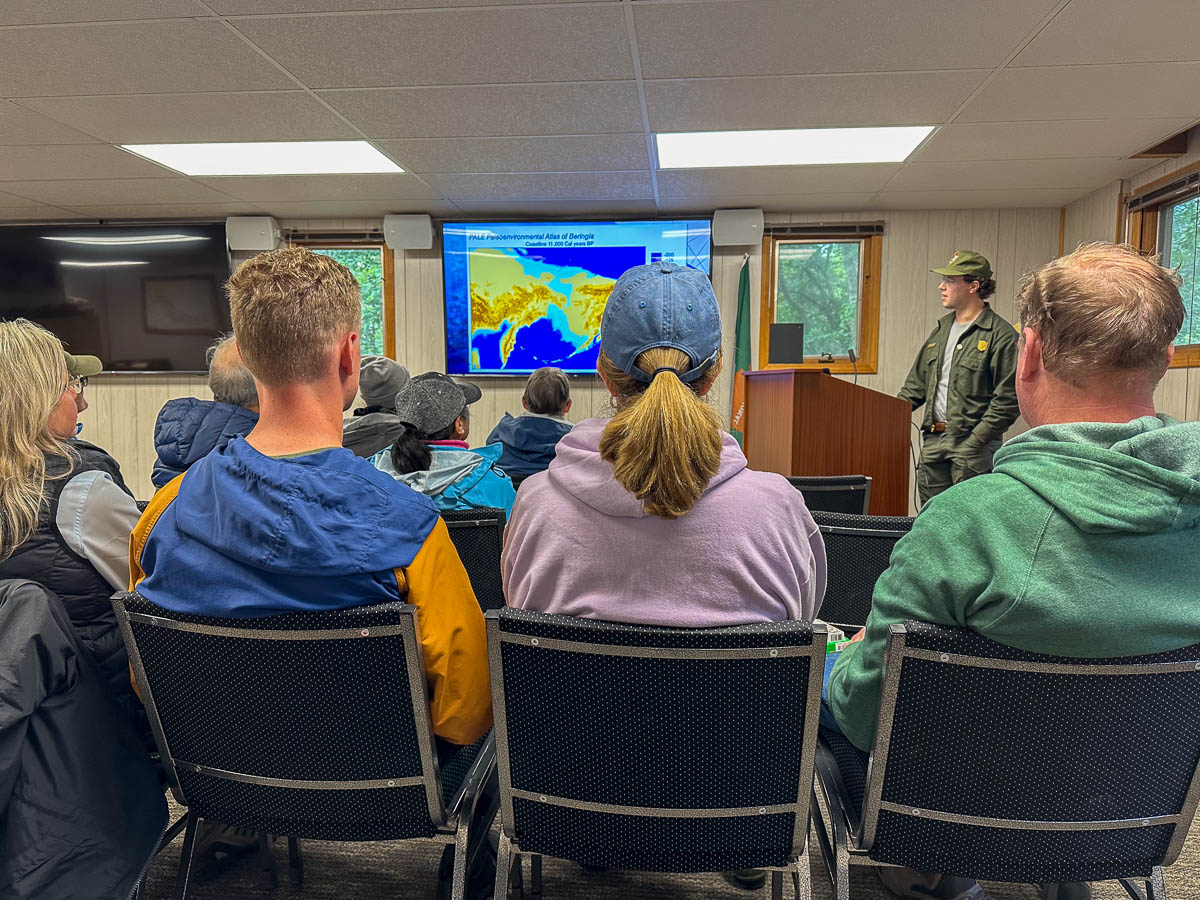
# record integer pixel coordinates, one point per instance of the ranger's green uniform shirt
(981, 399)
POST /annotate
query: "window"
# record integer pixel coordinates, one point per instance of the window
(1178, 224)
(373, 267)
(829, 282)
(1164, 219)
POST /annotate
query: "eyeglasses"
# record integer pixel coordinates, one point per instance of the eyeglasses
(76, 384)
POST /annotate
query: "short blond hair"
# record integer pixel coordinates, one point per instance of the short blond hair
(288, 307)
(1102, 309)
(547, 391)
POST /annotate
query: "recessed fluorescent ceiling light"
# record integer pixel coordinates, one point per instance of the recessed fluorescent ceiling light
(269, 158)
(788, 147)
(125, 241)
(83, 264)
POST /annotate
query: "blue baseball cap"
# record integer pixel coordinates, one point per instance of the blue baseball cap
(662, 305)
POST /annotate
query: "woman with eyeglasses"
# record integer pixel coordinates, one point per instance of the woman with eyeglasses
(65, 513)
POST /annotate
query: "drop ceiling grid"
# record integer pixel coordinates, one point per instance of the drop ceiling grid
(251, 68)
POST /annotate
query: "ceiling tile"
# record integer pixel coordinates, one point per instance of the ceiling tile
(44, 12)
(839, 202)
(167, 210)
(182, 118)
(556, 153)
(496, 209)
(773, 38)
(116, 191)
(146, 57)
(808, 101)
(592, 186)
(258, 7)
(1114, 31)
(263, 188)
(774, 180)
(83, 161)
(24, 126)
(1134, 90)
(1047, 140)
(975, 199)
(305, 209)
(1012, 174)
(492, 110)
(35, 213)
(477, 46)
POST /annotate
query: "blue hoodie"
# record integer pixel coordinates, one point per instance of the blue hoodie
(458, 478)
(528, 440)
(189, 429)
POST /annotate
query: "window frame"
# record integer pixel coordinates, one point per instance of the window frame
(387, 261)
(1143, 232)
(871, 266)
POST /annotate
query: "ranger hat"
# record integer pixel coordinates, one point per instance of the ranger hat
(662, 305)
(967, 262)
(431, 402)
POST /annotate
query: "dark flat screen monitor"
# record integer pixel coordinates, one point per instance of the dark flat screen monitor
(145, 298)
(522, 295)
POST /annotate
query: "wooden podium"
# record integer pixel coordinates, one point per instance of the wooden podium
(801, 422)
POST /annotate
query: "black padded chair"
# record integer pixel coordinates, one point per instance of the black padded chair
(309, 725)
(478, 535)
(661, 749)
(997, 764)
(835, 493)
(857, 551)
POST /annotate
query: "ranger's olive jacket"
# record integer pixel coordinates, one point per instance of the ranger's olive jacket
(981, 399)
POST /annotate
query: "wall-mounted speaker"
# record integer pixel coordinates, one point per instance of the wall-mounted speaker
(252, 233)
(408, 232)
(737, 227)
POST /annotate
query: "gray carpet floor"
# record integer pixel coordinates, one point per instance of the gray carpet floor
(408, 869)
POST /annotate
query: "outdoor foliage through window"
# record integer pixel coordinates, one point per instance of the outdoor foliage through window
(366, 264)
(1182, 229)
(817, 283)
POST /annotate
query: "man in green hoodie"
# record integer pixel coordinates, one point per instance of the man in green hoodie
(1084, 540)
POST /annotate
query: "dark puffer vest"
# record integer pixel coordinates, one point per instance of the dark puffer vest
(46, 559)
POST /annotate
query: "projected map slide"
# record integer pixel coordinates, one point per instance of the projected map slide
(524, 295)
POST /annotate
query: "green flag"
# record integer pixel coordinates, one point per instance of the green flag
(741, 354)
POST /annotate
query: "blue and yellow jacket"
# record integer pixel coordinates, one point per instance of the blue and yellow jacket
(242, 534)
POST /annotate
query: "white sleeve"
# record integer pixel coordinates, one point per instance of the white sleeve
(95, 518)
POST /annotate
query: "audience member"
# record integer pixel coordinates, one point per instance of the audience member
(287, 519)
(373, 427)
(189, 429)
(1083, 541)
(652, 516)
(530, 438)
(432, 456)
(65, 514)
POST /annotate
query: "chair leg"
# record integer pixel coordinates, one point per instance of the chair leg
(185, 857)
(266, 855)
(1156, 887)
(776, 886)
(535, 874)
(296, 860)
(802, 875)
(504, 862)
(458, 881)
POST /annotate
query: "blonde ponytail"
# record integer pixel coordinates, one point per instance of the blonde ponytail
(665, 440)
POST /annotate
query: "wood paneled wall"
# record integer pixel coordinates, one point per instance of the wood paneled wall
(124, 407)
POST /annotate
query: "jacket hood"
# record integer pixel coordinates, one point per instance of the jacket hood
(448, 466)
(322, 514)
(529, 435)
(1141, 477)
(579, 469)
(189, 429)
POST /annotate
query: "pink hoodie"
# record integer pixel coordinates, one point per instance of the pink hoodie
(579, 544)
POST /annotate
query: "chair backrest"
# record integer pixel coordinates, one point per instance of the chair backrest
(306, 724)
(999, 764)
(478, 535)
(655, 748)
(857, 550)
(835, 493)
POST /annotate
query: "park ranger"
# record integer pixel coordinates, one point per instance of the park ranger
(964, 375)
